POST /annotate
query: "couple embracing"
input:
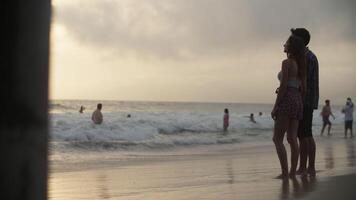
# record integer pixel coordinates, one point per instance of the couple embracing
(297, 97)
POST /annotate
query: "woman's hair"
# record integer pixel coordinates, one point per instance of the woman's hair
(226, 110)
(302, 33)
(296, 50)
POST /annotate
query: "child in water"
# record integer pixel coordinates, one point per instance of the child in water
(226, 119)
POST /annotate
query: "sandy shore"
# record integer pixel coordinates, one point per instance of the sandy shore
(205, 172)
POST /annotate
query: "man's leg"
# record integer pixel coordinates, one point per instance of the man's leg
(303, 145)
(346, 127)
(311, 155)
(322, 129)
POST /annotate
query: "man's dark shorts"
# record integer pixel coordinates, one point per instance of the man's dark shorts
(305, 125)
(326, 121)
(348, 124)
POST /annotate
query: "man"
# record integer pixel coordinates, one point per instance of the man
(97, 117)
(348, 111)
(310, 103)
(325, 114)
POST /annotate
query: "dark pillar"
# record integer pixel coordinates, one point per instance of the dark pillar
(24, 58)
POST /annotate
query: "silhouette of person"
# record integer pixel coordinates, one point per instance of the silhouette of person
(226, 120)
(310, 103)
(348, 111)
(288, 108)
(97, 116)
(81, 110)
(252, 118)
(325, 114)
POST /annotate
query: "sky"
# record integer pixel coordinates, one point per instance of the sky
(195, 50)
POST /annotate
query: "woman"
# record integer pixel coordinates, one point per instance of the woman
(288, 109)
(226, 119)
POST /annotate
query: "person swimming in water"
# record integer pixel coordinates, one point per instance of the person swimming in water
(252, 118)
(81, 110)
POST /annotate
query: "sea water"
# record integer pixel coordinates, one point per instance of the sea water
(160, 125)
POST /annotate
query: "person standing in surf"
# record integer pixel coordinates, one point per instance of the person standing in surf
(348, 111)
(97, 116)
(226, 120)
(325, 114)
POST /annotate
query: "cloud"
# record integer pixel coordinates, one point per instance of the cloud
(185, 29)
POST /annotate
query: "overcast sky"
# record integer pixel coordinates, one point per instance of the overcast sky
(195, 50)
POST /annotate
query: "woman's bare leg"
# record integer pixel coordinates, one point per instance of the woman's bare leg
(294, 147)
(280, 127)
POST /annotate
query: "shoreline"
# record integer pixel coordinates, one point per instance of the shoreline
(204, 172)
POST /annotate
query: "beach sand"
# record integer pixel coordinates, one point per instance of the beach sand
(231, 171)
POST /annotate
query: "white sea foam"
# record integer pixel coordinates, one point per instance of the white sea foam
(155, 128)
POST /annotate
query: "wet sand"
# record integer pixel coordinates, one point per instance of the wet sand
(206, 172)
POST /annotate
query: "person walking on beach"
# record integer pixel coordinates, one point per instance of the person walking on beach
(348, 110)
(325, 114)
(226, 119)
(97, 116)
(310, 103)
(288, 108)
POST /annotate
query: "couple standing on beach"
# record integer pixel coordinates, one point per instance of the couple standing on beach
(297, 98)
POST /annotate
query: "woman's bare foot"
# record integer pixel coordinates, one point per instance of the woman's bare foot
(311, 172)
(282, 176)
(300, 171)
(292, 175)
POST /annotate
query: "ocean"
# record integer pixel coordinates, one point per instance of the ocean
(175, 150)
(160, 125)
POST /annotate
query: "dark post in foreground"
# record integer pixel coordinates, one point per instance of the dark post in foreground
(24, 59)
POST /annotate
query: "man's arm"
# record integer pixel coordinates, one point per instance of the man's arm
(332, 114)
(315, 87)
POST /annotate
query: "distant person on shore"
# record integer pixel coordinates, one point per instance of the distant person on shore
(260, 114)
(288, 108)
(325, 114)
(226, 119)
(81, 110)
(348, 110)
(97, 116)
(252, 118)
(128, 116)
(310, 103)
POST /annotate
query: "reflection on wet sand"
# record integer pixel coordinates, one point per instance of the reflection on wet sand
(350, 148)
(231, 177)
(230, 172)
(329, 155)
(102, 186)
(284, 189)
(300, 187)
